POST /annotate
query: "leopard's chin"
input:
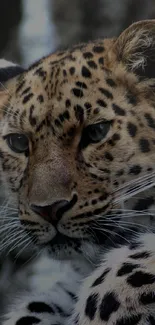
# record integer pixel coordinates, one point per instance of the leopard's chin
(63, 247)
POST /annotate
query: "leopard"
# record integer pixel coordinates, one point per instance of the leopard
(77, 158)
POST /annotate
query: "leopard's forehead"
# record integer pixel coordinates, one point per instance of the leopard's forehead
(68, 85)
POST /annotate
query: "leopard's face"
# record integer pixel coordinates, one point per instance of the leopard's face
(74, 128)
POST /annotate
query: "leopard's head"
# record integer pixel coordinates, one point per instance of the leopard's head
(75, 127)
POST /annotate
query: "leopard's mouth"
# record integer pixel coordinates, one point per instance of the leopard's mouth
(62, 238)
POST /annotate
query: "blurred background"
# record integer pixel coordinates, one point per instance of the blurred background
(33, 28)
(30, 29)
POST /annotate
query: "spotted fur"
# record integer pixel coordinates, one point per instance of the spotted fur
(66, 182)
(125, 295)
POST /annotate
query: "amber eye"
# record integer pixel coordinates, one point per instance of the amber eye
(17, 142)
(94, 133)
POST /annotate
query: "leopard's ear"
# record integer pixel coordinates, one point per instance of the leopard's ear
(135, 48)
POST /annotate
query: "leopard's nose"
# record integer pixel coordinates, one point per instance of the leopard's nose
(51, 213)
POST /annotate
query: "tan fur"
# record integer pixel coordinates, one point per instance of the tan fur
(56, 168)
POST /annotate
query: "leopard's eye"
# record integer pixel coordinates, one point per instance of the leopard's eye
(94, 133)
(17, 142)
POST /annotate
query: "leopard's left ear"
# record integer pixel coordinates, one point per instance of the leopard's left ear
(135, 48)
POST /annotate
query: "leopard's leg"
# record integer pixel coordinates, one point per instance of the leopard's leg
(39, 309)
(122, 289)
(50, 303)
